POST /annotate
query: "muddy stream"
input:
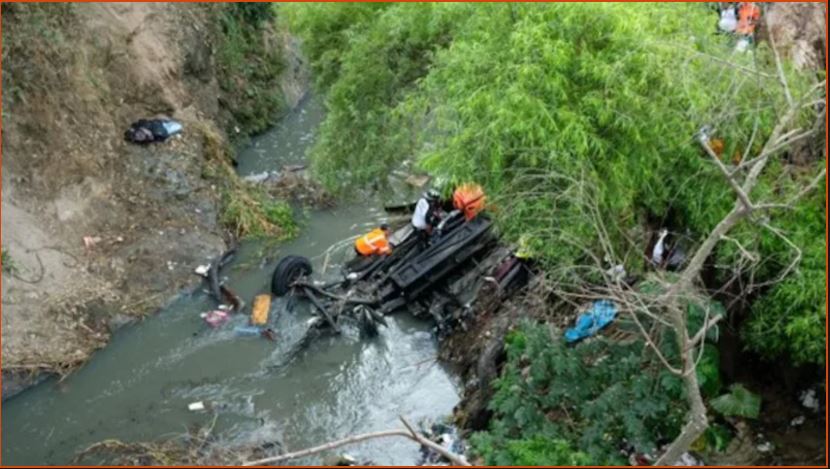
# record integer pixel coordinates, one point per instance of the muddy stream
(138, 388)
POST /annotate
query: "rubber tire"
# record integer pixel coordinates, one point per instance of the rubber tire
(287, 271)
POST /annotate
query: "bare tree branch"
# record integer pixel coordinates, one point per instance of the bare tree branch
(779, 67)
(729, 178)
(408, 433)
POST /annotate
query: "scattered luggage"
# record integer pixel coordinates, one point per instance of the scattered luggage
(145, 131)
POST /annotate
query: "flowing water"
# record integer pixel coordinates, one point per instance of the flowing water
(138, 388)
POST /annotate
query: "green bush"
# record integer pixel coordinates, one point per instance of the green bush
(569, 114)
(556, 404)
(739, 402)
(790, 318)
(253, 13)
(248, 68)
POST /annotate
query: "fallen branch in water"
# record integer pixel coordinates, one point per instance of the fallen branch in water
(409, 433)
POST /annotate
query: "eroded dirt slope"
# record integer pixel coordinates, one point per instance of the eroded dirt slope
(74, 77)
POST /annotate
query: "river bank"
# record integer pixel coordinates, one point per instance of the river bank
(74, 78)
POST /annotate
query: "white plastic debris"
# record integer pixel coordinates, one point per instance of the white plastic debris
(202, 270)
(617, 273)
(196, 406)
(764, 447)
(687, 459)
(728, 20)
(659, 248)
(91, 241)
(808, 399)
(257, 177)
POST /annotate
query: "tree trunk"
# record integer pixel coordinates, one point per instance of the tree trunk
(697, 421)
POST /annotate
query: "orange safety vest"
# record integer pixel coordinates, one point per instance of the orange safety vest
(748, 15)
(374, 242)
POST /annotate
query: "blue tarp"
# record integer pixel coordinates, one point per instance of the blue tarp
(600, 315)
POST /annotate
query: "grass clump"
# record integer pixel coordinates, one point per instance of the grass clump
(8, 263)
(247, 210)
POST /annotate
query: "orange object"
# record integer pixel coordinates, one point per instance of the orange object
(259, 310)
(716, 145)
(748, 15)
(374, 242)
(469, 198)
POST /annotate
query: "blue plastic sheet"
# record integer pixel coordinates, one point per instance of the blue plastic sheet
(247, 330)
(587, 324)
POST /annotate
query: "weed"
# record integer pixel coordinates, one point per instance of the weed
(8, 263)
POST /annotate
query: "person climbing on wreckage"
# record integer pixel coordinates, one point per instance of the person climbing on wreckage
(374, 243)
(426, 215)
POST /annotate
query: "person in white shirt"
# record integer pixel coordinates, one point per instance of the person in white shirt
(424, 216)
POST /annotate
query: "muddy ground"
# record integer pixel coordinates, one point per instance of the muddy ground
(74, 77)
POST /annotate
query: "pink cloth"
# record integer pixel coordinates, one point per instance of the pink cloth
(217, 317)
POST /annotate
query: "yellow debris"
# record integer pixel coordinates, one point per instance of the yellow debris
(259, 310)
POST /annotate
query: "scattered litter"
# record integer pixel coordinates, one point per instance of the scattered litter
(216, 317)
(260, 177)
(728, 20)
(247, 330)
(259, 311)
(798, 421)
(314, 321)
(152, 130)
(617, 273)
(196, 406)
(659, 248)
(587, 324)
(269, 334)
(765, 447)
(340, 460)
(667, 254)
(446, 436)
(202, 270)
(808, 399)
(91, 241)
(687, 459)
(232, 299)
(742, 45)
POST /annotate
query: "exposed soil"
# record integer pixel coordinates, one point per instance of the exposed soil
(74, 77)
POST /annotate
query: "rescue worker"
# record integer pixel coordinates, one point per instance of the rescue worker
(749, 15)
(375, 242)
(426, 214)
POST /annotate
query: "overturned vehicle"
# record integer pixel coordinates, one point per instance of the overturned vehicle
(439, 277)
